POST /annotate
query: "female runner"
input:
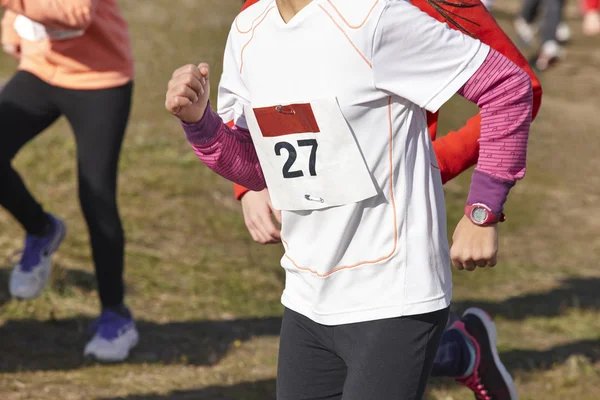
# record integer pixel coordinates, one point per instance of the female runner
(76, 61)
(465, 353)
(336, 117)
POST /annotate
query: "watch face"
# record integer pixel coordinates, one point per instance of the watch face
(479, 215)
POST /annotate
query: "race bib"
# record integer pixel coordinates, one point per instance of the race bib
(34, 31)
(309, 156)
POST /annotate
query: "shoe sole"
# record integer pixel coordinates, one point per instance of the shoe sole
(490, 327)
(109, 360)
(551, 62)
(52, 249)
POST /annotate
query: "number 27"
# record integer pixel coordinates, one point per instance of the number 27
(293, 154)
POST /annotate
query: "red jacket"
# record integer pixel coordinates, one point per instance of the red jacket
(588, 5)
(459, 150)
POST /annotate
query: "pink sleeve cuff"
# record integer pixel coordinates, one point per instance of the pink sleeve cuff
(201, 132)
(488, 190)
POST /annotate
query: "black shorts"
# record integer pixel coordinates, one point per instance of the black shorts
(387, 359)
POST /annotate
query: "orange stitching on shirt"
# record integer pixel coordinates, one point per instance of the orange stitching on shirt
(392, 200)
(347, 37)
(346, 22)
(255, 19)
(252, 37)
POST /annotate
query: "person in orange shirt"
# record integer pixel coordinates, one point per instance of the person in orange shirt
(468, 349)
(76, 61)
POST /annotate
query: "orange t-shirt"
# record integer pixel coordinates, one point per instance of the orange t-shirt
(458, 151)
(99, 59)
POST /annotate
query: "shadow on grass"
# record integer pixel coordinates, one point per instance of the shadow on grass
(29, 345)
(35, 345)
(260, 390)
(63, 279)
(578, 293)
(32, 345)
(517, 361)
(4, 294)
(533, 360)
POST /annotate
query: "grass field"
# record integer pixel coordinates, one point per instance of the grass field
(207, 298)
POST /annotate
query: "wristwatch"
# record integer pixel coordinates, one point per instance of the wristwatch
(482, 215)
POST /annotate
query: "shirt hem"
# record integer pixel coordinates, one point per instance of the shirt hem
(372, 314)
(95, 80)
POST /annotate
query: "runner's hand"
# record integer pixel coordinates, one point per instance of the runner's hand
(474, 246)
(188, 93)
(258, 216)
(13, 50)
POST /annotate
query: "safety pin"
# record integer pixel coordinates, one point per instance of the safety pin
(281, 110)
(315, 199)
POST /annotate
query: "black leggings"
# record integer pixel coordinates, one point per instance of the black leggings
(386, 359)
(98, 118)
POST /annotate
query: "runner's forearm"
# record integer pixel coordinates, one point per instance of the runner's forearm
(227, 151)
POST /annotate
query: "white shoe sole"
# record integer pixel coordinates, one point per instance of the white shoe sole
(493, 338)
(44, 272)
(97, 355)
(45, 269)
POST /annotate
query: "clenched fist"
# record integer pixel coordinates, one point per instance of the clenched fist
(258, 215)
(473, 245)
(188, 92)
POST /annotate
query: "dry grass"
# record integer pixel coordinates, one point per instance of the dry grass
(207, 298)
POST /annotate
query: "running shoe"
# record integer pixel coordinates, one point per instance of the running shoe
(30, 275)
(549, 54)
(525, 31)
(563, 33)
(115, 336)
(489, 380)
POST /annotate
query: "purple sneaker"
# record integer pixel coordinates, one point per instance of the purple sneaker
(115, 336)
(30, 275)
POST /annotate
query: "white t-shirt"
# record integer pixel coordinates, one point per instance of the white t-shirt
(370, 243)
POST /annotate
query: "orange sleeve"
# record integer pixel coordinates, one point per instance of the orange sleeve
(9, 35)
(591, 5)
(239, 190)
(65, 14)
(459, 150)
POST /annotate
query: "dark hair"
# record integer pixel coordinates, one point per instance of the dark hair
(438, 6)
